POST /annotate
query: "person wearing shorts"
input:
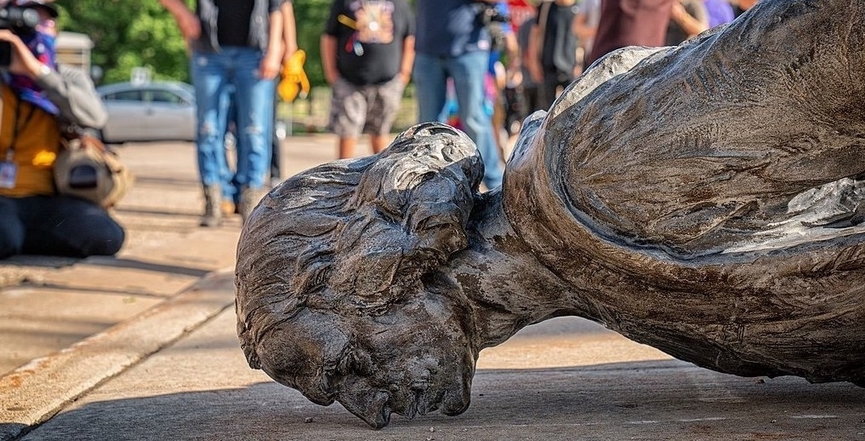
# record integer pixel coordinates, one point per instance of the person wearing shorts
(367, 51)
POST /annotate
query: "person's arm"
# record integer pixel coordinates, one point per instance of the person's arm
(407, 59)
(532, 57)
(581, 28)
(186, 20)
(74, 94)
(272, 61)
(692, 22)
(328, 58)
(22, 61)
(408, 52)
(69, 89)
(289, 30)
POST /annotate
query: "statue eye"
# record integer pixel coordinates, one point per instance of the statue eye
(330, 378)
(355, 362)
(361, 362)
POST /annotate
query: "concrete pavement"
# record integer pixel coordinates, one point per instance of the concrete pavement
(142, 347)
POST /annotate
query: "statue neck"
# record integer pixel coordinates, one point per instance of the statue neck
(506, 286)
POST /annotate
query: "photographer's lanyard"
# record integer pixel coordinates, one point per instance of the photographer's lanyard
(8, 168)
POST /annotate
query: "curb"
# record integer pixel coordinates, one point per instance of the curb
(35, 392)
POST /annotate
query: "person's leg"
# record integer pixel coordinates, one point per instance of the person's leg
(533, 101)
(378, 142)
(11, 228)
(430, 80)
(547, 92)
(345, 145)
(68, 226)
(468, 72)
(383, 103)
(211, 95)
(275, 159)
(227, 107)
(254, 98)
(275, 149)
(348, 110)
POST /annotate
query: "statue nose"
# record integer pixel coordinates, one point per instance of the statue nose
(456, 399)
(421, 380)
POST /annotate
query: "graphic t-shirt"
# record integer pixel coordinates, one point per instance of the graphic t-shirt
(369, 35)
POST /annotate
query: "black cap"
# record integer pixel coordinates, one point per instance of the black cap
(47, 6)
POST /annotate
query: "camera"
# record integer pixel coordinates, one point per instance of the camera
(18, 20)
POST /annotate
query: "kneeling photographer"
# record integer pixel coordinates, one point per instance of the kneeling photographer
(38, 101)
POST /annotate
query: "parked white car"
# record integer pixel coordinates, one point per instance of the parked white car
(154, 111)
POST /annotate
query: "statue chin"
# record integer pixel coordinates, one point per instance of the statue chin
(411, 359)
(703, 199)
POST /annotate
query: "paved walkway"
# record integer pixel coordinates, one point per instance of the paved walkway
(142, 347)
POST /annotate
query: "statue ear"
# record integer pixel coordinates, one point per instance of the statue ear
(408, 214)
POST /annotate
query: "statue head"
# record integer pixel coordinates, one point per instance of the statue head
(339, 293)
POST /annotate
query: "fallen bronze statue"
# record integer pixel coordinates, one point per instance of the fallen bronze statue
(704, 199)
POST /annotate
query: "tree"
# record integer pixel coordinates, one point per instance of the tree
(127, 35)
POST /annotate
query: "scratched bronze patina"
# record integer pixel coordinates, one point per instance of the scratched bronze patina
(704, 199)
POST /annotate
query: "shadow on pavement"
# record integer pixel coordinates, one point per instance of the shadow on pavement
(148, 266)
(652, 400)
(23, 261)
(39, 261)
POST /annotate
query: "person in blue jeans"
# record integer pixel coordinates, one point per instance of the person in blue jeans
(451, 41)
(236, 45)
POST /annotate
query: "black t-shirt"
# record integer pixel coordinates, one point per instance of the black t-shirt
(232, 25)
(369, 35)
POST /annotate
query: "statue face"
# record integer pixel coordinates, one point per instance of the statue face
(339, 290)
(412, 359)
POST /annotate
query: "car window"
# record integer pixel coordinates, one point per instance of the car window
(126, 95)
(164, 96)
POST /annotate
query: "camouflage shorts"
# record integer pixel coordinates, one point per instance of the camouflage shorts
(364, 109)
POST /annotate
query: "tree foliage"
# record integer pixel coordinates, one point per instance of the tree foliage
(130, 34)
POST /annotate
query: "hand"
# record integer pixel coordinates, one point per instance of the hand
(270, 65)
(331, 76)
(23, 61)
(405, 77)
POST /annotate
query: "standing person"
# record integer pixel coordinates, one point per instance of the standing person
(452, 42)
(367, 51)
(630, 23)
(553, 49)
(35, 96)
(235, 44)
